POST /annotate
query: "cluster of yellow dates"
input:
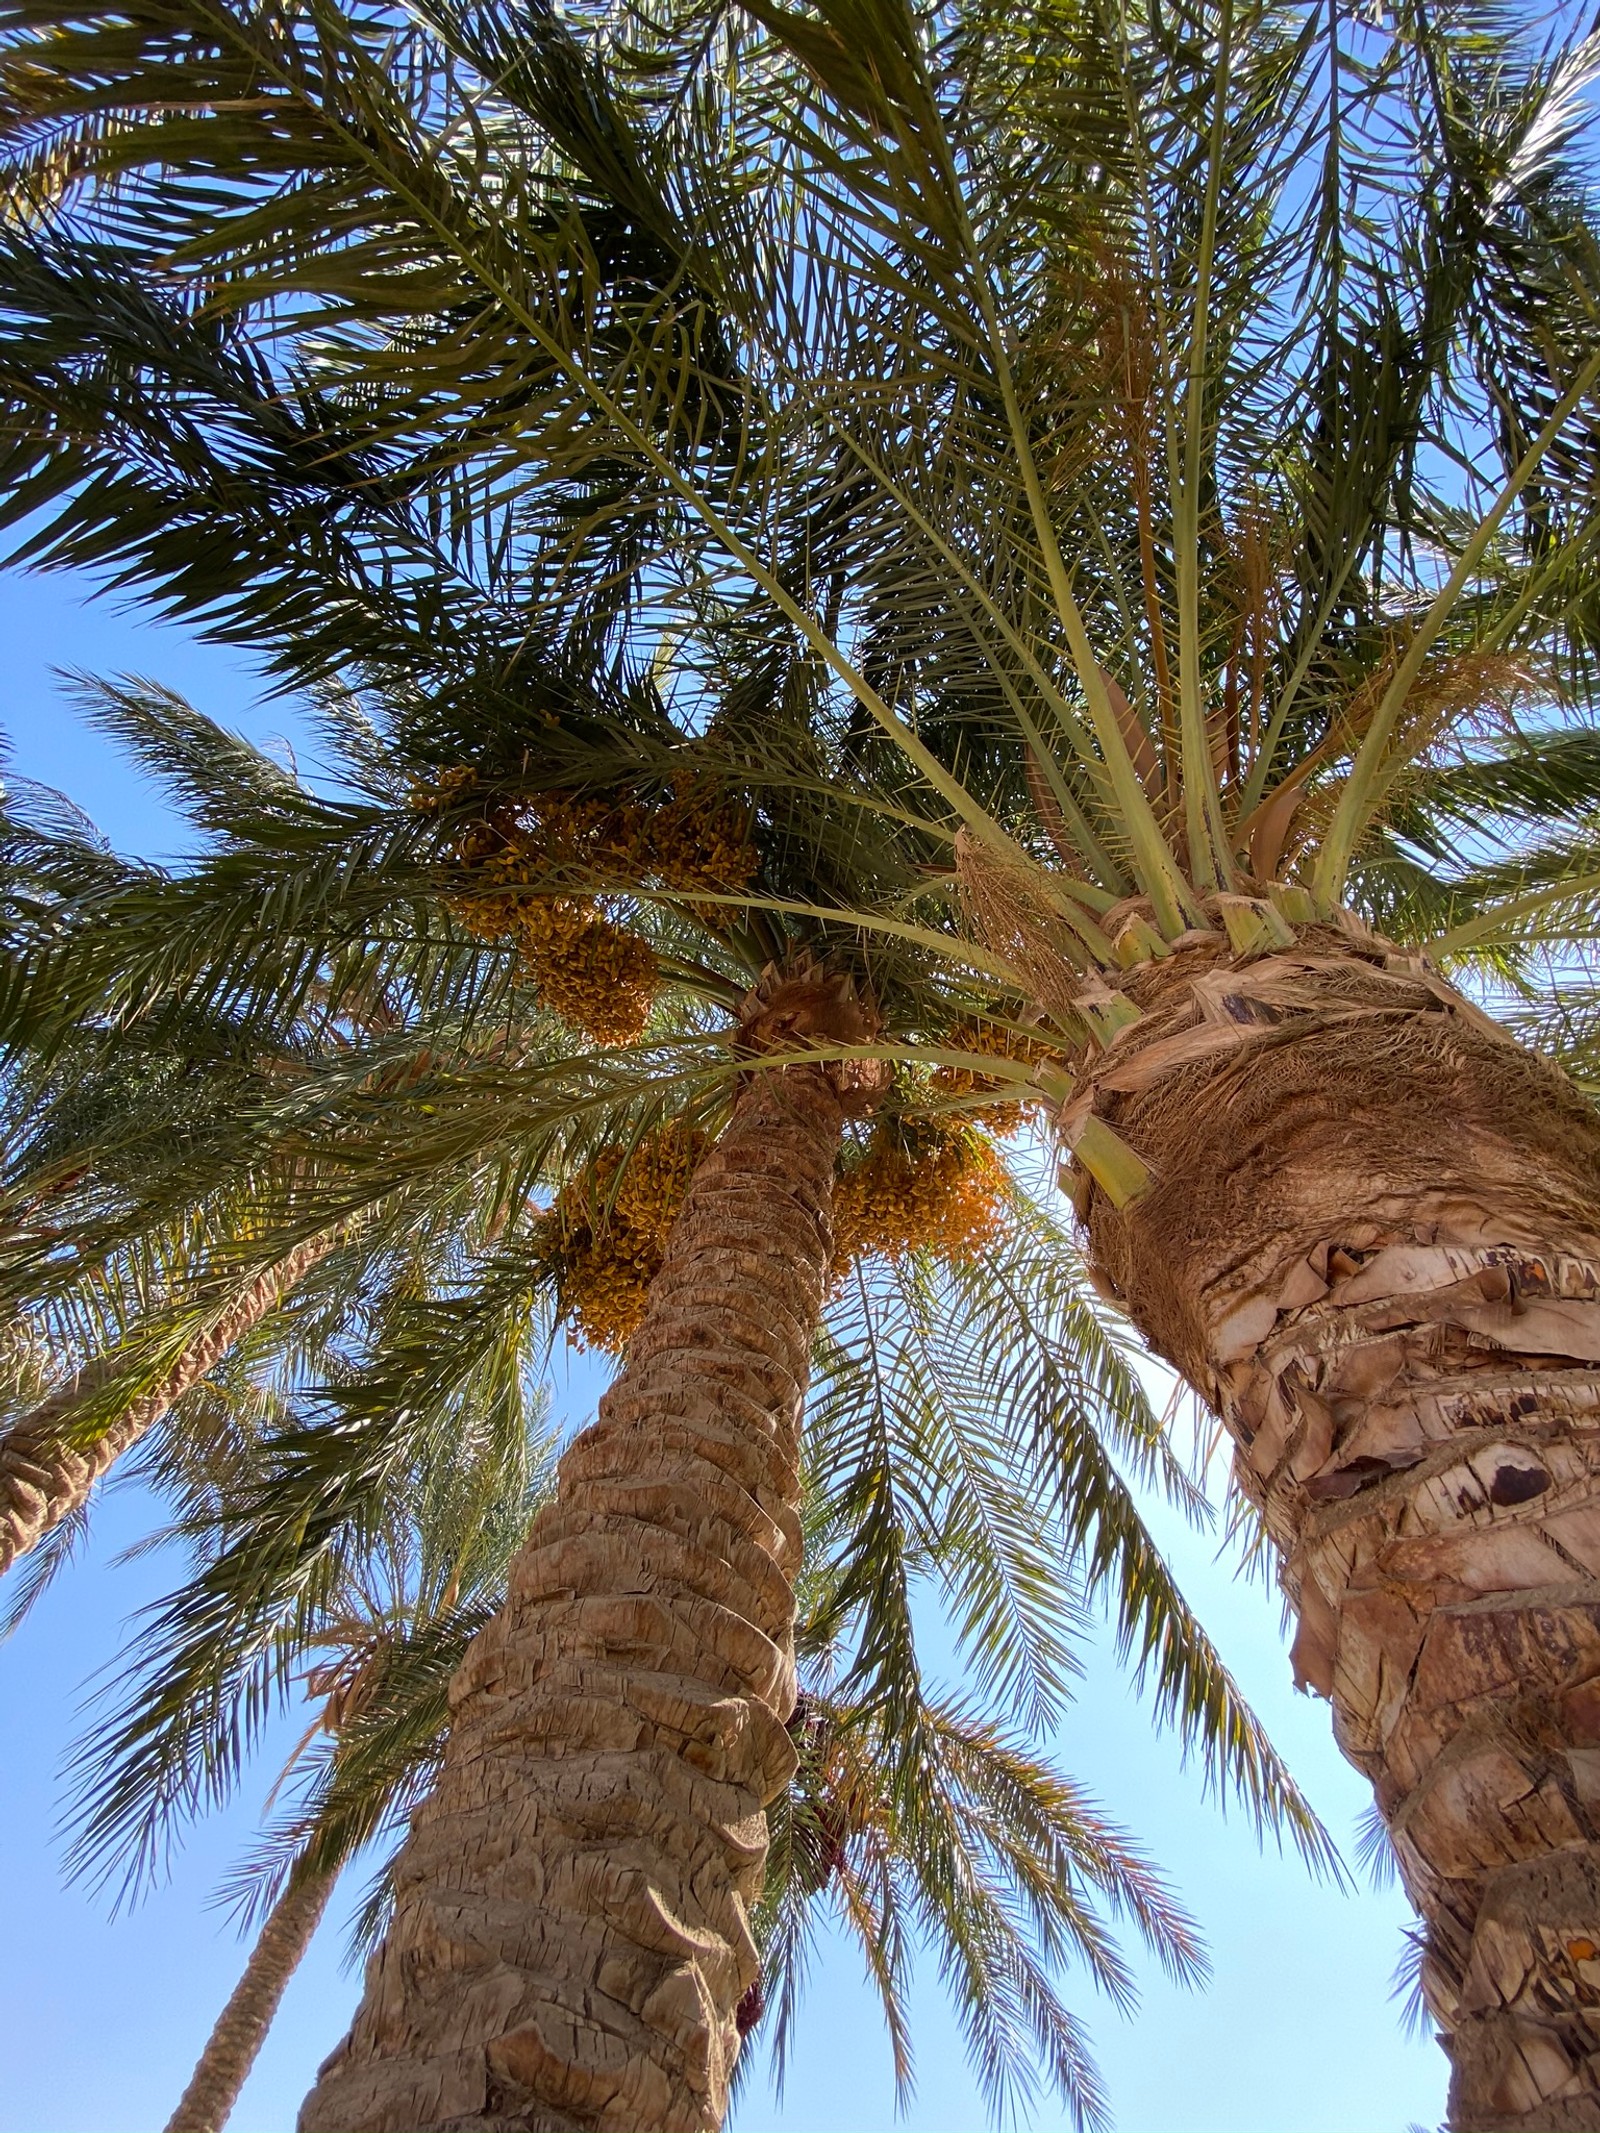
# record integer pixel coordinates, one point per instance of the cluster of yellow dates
(933, 1185)
(993, 1041)
(607, 1232)
(596, 975)
(918, 1185)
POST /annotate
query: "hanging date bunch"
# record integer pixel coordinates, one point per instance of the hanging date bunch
(607, 1232)
(991, 1040)
(598, 975)
(919, 1184)
(700, 839)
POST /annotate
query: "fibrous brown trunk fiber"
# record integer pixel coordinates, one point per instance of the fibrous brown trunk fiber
(570, 1940)
(241, 2029)
(1373, 1243)
(45, 1476)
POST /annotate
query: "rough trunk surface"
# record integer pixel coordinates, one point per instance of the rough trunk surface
(1373, 1242)
(222, 2068)
(570, 1940)
(45, 1476)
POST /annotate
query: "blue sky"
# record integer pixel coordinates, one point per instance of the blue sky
(1296, 2034)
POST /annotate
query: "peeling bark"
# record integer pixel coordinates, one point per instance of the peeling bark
(1373, 1243)
(45, 1476)
(571, 1944)
(241, 2029)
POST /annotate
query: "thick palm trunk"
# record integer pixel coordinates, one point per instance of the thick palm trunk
(241, 2030)
(1373, 1242)
(570, 1941)
(45, 1476)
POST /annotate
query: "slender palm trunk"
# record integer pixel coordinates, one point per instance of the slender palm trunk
(571, 1942)
(241, 2029)
(1373, 1243)
(45, 1476)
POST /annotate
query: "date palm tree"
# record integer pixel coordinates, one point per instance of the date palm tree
(949, 1462)
(394, 1626)
(1168, 444)
(1001, 1857)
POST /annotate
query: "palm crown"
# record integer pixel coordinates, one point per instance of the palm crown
(972, 300)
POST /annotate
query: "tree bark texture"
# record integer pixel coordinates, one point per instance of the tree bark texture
(45, 1476)
(570, 1940)
(241, 2029)
(1373, 1243)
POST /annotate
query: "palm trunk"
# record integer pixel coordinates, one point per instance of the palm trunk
(45, 1476)
(571, 1941)
(242, 2026)
(1373, 1243)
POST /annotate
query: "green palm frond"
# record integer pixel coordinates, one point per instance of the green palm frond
(934, 1826)
(972, 1423)
(813, 369)
(290, 1533)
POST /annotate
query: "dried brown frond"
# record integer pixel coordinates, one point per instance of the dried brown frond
(1467, 693)
(1259, 554)
(1106, 347)
(1010, 911)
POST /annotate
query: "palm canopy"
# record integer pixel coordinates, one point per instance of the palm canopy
(403, 1074)
(1168, 437)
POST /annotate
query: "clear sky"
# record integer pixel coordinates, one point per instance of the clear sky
(1296, 2034)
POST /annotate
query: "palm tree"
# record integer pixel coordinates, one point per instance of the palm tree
(282, 1544)
(46, 1478)
(397, 1623)
(898, 1804)
(241, 2028)
(1169, 445)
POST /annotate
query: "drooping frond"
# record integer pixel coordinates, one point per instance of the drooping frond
(980, 1427)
